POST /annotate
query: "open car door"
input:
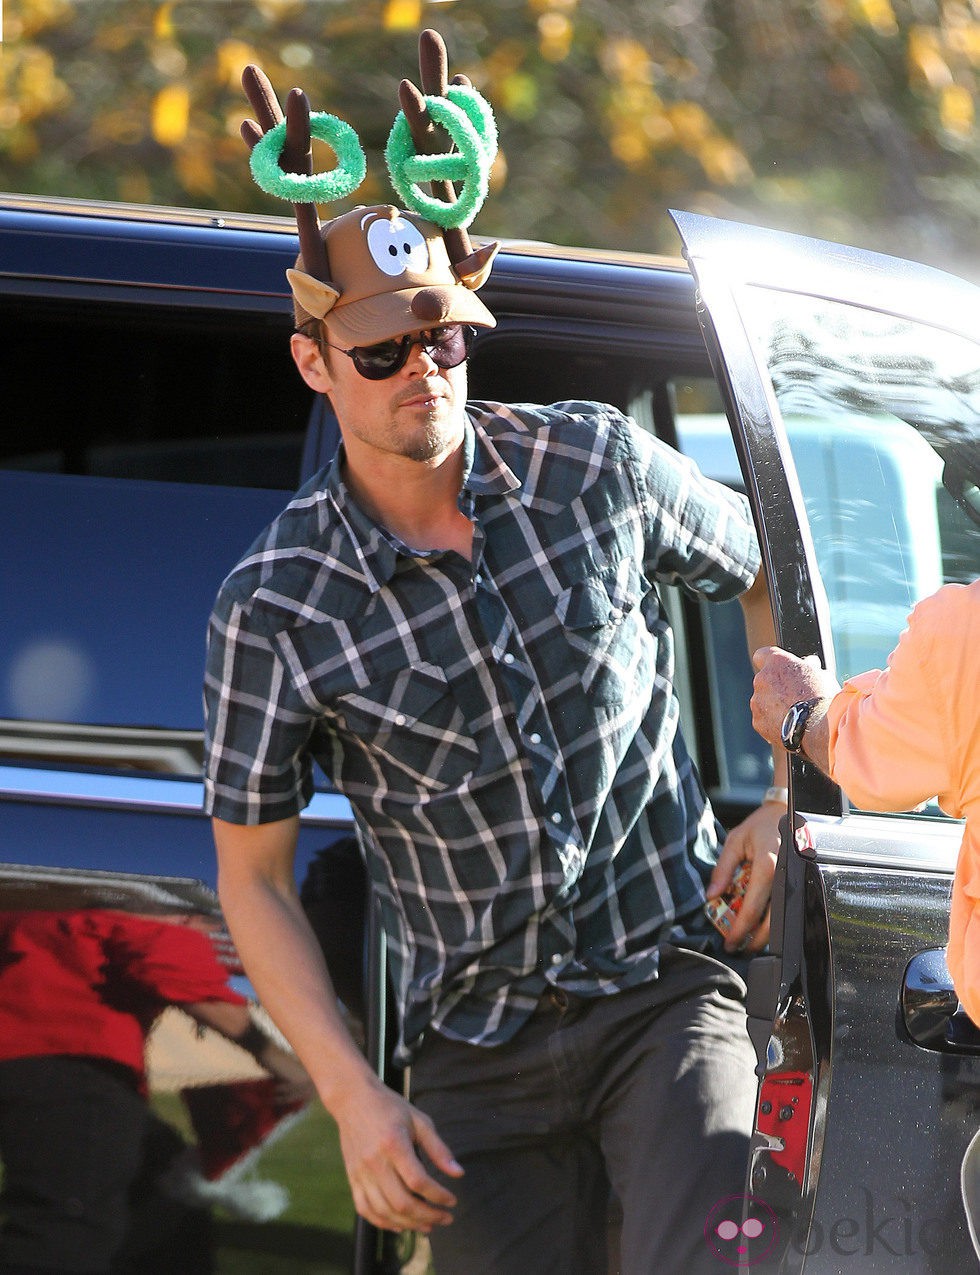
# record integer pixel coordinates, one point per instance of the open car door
(852, 384)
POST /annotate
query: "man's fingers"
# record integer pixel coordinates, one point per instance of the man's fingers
(436, 1149)
(393, 1188)
(750, 930)
(400, 1195)
(729, 859)
(388, 1203)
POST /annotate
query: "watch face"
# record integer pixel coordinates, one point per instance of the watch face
(794, 724)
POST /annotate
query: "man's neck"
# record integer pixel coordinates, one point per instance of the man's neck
(416, 501)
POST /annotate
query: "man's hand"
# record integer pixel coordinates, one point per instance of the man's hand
(754, 841)
(379, 1134)
(780, 680)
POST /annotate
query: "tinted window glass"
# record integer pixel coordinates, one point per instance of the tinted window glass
(132, 477)
(744, 759)
(882, 421)
(874, 407)
(151, 392)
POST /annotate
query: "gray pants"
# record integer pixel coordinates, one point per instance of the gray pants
(651, 1091)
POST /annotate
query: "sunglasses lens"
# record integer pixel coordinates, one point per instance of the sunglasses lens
(448, 347)
(375, 362)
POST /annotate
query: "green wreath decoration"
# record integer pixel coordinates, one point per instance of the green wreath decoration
(468, 120)
(310, 188)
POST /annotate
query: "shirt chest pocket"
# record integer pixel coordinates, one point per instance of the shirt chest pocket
(606, 633)
(409, 722)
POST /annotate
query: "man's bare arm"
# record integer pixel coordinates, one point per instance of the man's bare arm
(760, 630)
(756, 839)
(379, 1130)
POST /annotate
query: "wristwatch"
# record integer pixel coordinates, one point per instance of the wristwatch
(795, 723)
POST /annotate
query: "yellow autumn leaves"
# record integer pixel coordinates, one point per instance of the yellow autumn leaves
(625, 102)
(642, 123)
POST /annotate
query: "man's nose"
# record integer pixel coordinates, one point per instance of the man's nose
(419, 360)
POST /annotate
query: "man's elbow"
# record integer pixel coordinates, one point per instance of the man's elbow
(255, 855)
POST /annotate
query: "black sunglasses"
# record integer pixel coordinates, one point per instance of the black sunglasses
(446, 347)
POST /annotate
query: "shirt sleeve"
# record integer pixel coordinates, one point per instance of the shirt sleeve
(889, 746)
(169, 961)
(257, 728)
(699, 532)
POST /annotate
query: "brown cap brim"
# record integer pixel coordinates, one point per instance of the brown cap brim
(390, 314)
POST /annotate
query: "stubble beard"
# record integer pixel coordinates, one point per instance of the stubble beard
(435, 432)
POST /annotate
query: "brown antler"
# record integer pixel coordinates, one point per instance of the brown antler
(433, 75)
(296, 157)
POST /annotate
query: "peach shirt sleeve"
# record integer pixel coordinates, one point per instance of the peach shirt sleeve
(889, 737)
(912, 732)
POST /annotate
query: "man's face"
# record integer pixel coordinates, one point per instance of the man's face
(417, 413)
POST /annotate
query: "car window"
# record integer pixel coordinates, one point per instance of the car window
(150, 392)
(876, 410)
(130, 482)
(744, 760)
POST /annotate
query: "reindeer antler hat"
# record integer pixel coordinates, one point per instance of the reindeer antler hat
(376, 273)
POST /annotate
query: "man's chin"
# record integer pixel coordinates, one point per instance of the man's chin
(436, 437)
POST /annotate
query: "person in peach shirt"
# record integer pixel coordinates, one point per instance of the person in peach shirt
(892, 739)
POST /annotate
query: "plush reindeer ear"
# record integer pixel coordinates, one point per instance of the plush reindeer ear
(473, 271)
(316, 296)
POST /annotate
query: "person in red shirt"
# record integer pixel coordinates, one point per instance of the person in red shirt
(79, 992)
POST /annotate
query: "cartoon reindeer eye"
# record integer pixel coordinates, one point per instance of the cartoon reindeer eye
(397, 247)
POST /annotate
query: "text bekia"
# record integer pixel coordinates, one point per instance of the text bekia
(873, 1228)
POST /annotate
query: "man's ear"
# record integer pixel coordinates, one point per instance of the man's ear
(309, 361)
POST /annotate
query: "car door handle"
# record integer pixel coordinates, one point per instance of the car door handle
(930, 1008)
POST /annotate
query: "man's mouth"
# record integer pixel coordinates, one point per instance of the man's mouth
(421, 398)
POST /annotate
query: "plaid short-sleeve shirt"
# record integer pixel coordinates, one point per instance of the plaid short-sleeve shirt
(505, 728)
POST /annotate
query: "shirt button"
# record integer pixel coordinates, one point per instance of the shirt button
(508, 658)
(556, 959)
(535, 738)
(478, 579)
(556, 817)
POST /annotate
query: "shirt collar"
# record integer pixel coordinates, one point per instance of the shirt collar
(485, 473)
(375, 549)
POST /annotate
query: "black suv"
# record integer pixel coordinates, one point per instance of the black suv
(155, 424)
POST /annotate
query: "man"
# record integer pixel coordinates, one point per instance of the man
(458, 621)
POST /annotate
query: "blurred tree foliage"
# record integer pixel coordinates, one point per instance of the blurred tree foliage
(848, 119)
